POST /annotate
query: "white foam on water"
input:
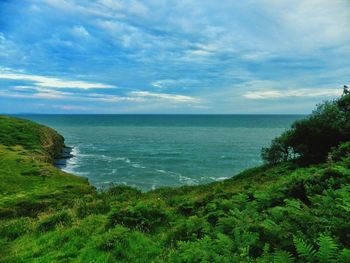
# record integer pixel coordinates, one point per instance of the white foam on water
(187, 180)
(220, 178)
(72, 163)
(124, 159)
(136, 165)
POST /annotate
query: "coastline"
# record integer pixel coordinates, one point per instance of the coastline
(63, 157)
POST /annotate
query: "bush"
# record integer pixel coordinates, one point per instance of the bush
(188, 229)
(122, 193)
(278, 151)
(15, 228)
(49, 222)
(143, 215)
(84, 208)
(205, 250)
(127, 246)
(310, 140)
(342, 151)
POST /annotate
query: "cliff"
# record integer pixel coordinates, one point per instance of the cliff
(29, 183)
(273, 213)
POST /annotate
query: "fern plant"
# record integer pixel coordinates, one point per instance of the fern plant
(281, 256)
(328, 251)
(305, 251)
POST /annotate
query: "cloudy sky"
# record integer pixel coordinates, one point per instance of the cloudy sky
(172, 56)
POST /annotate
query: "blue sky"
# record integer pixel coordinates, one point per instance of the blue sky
(159, 56)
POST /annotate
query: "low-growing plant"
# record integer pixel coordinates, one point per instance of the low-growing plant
(342, 151)
(50, 221)
(84, 208)
(143, 215)
(188, 229)
(14, 228)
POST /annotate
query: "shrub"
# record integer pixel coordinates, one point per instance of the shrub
(205, 249)
(342, 151)
(126, 246)
(142, 215)
(84, 208)
(15, 228)
(188, 229)
(122, 193)
(30, 208)
(49, 222)
(278, 151)
(309, 140)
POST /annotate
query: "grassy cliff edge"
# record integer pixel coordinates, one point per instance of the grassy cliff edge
(29, 183)
(272, 213)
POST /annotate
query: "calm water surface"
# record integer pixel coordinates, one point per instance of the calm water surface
(150, 151)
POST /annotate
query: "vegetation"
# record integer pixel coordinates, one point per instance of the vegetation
(29, 184)
(279, 212)
(311, 139)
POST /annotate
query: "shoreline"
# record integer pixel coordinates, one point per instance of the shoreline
(65, 155)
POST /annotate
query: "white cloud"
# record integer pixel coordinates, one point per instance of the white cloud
(112, 98)
(80, 31)
(130, 6)
(175, 83)
(276, 94)
(52, 82)
(165, 96)
(41, 93)
(70, 107)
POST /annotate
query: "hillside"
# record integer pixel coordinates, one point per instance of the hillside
(280, 212)
(29, 184)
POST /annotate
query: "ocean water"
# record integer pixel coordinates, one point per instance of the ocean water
(151, 151)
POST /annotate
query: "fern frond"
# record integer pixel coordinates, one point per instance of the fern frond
(343, 256)
(305, 251)
(328, 249)
(281, 256)
(266, 257)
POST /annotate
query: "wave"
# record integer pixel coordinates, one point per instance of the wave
(188, 180)
(219, 178)
(124, 159)
(136, 165)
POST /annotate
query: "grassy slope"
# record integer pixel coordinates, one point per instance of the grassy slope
(28, 181)
(253, 216)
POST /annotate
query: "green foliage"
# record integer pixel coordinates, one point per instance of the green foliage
(273, 213)
(12, 229)
(128, 246)
(279, 150)
(49, 222)
(84, 208)
(305, 251)
(205, 249)
(143, 215)
(327, 249)
(30, 136)
(340, 152)
(282, 257)
(310, 140)
(188, 229)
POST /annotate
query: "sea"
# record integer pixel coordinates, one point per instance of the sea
(152, 151)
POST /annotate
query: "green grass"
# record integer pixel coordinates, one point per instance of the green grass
(28, 186)
(281, 213)
(40, 140)
(29, 183)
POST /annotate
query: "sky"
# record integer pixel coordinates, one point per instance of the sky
(172, 56)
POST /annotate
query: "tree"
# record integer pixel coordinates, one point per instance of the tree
(309, 140)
